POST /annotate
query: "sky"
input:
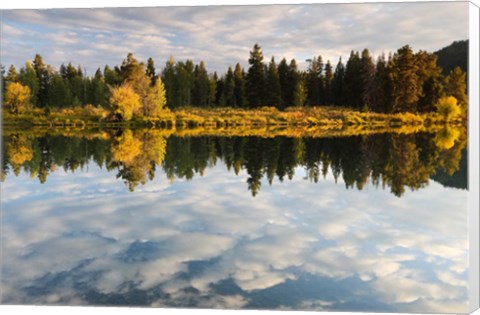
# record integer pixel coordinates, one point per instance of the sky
(223, 35)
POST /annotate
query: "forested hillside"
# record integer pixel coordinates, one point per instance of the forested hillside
(454, 55)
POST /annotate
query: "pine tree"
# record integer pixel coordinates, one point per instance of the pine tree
(313, 83)
(151, 72)
(98, 94)
(430, 75)
(353, 81)
(368, 79)
(131, 70)
(296, 89)
(256, 78)
(220, 92)
(238, 76)
(183, 83)
(273, 96)
(212, 95)
(59, 94)
(383, 86)
(168, 78)
(42, 77)
(229, 88)
(111, 76)
(201, 89)
(283, 76)
(456, 86)
(406, 89)
(12, 75)
(338, 84)
(28, 77)
(328, 83)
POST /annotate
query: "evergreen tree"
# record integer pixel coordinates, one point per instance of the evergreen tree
(131, 70)
(220, 93)
(296, 87)
(111, 76)
(430, 76)
(314, 82)
(368, 79)
(212, 95)
(183, 83)
(383, 86)
(338, 84)
(168, 78)
(28, 77)
(406, 89)
(256, 78)
(456, 86)
(229, 88)
(59, 95)
(12, 75)
(42, 77)
(238, 76)
(353, 81)
(273, 96)
(74, 80)
(98, 94)
(283, 76)
(328, 83)
(201, 89)
(151, 72)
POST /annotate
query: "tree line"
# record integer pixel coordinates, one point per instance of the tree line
(404, 81)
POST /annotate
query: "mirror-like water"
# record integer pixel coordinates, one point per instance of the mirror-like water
(364, 223)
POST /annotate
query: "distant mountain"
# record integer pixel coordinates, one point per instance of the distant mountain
(454, 55)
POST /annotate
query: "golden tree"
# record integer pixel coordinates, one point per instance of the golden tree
(17, 98)
(155, 99)
(125, 101)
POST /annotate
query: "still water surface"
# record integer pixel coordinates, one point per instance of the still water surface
(370, 223)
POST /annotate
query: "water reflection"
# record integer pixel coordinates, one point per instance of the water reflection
(188, 237)
(397, 161)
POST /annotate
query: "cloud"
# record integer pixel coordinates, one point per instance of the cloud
(223, 35)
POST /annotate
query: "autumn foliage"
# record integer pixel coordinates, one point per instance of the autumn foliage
(17, 98)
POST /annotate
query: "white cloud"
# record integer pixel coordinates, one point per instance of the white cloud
(223, 36)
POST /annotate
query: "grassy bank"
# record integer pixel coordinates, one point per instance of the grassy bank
(324, 117)
(230, 131)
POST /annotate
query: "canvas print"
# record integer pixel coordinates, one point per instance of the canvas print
(269, 157)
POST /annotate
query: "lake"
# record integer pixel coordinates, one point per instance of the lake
(148, 218)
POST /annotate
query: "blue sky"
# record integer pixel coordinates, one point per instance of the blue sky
(224, 35)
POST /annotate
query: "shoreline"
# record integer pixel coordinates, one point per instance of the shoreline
(193, 117)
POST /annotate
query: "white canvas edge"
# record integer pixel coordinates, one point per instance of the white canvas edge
(473, 159)
(47, 4)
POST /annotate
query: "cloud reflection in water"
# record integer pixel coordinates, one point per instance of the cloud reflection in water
(82, 239)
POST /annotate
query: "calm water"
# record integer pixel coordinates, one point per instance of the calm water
(375, 223)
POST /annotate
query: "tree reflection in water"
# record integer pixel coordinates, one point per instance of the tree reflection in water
(397, 161)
